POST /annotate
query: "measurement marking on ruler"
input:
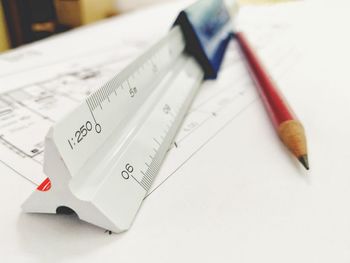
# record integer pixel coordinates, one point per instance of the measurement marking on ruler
(103, 91)
(93, 102)
(137, 181)
(109, 86)
(108, 93)
(99, 98)
(148, 180)
(103, 94)
(149, 173)
(113, 89)
(127, 81)
(93, 97)
(89, 104)
(92, 114)
(146, 187)
(156, 141)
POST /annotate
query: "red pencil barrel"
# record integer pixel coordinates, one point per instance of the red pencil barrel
(276, 106)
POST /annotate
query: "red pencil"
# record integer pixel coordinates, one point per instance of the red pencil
(288, 127)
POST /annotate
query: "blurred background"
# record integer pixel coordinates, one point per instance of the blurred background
(25, 21)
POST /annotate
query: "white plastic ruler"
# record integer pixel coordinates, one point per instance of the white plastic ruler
(141, 107)
(106, 152)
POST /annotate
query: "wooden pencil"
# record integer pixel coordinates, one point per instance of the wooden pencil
(288, 127)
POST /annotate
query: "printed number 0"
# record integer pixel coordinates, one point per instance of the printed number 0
(129, 168)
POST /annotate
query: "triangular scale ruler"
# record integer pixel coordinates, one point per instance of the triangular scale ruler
(102, 157)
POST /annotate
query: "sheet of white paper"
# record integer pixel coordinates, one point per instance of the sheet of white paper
(229, 191)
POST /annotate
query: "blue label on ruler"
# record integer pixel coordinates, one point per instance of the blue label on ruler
(207, 29)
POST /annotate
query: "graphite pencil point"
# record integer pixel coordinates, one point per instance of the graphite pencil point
(304, 161)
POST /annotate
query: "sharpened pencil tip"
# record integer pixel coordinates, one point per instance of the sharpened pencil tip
(304, 161)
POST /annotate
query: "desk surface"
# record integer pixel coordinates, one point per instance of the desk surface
(240, 197)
